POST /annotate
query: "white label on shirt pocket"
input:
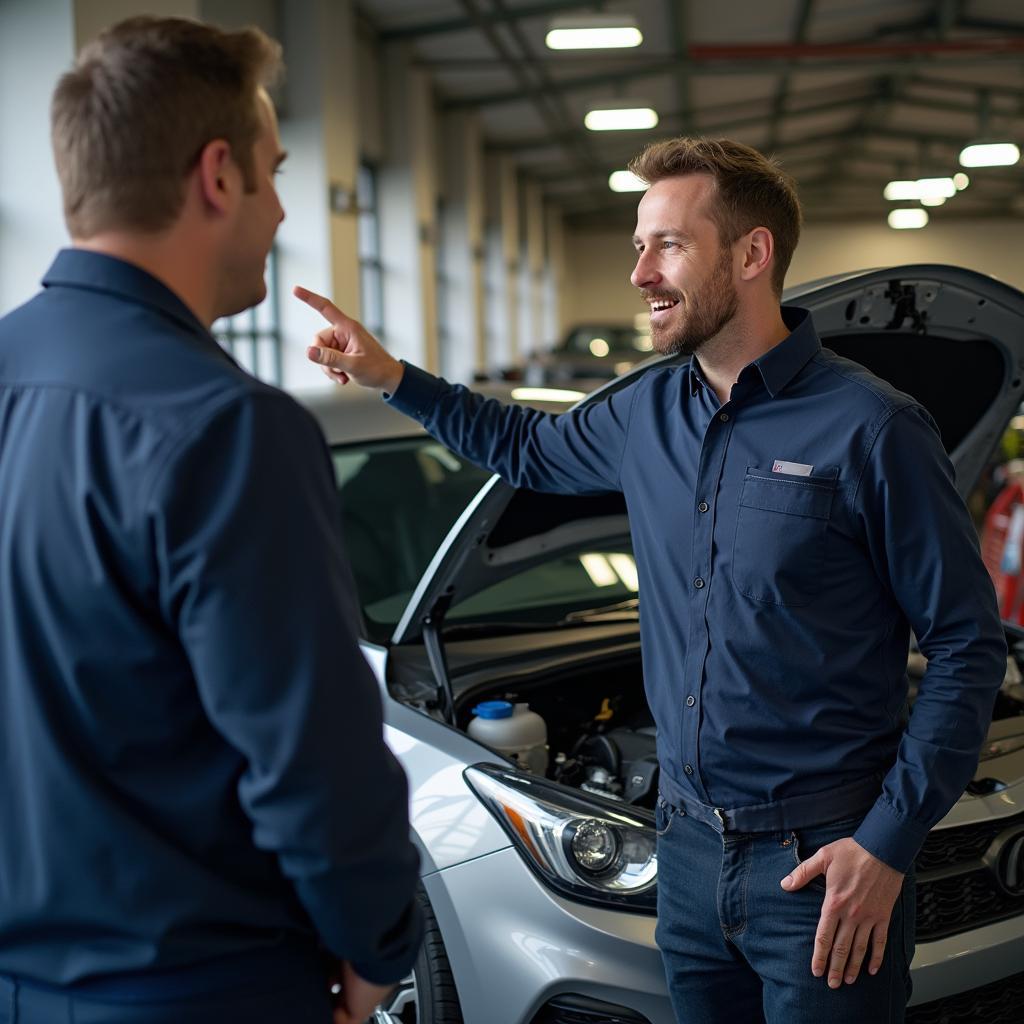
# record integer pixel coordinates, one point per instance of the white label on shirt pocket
(792, 468)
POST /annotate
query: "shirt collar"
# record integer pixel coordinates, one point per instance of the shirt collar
(96, 271)
(697, 381)
(779, 365)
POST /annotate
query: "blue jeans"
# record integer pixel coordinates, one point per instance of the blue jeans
(737, 947)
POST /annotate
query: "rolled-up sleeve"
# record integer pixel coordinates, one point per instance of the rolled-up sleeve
(254, 580)
(925, 551)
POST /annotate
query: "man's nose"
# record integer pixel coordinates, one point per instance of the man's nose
(644, 273)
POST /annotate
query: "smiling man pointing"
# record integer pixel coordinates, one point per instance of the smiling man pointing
(793, 518)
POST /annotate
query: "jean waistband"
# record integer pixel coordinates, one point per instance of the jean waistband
(793, 812)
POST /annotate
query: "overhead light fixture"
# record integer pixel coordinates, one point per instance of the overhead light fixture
(626, 181)
(593, 32)
(599, 570)
(989, 154)
(936, 188)
(922, 188)
(932, 200)
(901, 190)
(906, 219)
(620, 119)
(625, 566)
(961, 181)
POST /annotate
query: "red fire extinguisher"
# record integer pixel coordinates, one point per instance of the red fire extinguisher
(1002, 549)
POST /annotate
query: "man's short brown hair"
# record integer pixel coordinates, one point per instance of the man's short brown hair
(751, 190)
(143, 100)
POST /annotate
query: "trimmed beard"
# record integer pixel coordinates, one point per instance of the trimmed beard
(707, 311)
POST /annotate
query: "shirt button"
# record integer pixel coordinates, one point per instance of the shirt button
(702, 507)
(724, 417)
(698, 583)
(690, 701)
(688, 769)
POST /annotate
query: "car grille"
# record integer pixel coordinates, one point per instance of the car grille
(998, 1003)
(949, 846)
(956, 890)
(574, 1009)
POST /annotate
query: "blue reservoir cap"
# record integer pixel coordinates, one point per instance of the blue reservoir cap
(493, 709)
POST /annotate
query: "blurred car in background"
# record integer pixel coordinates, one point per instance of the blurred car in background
(594, 352)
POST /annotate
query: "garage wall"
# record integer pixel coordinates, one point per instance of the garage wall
(36, 47)
(598, 264)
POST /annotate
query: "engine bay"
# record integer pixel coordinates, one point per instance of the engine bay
(602, 739)
(601, 735)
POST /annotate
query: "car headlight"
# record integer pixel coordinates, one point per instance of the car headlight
(589, 849)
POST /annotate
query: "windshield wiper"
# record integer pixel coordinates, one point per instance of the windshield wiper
(594, 617)
(499, 628)
(628, 609)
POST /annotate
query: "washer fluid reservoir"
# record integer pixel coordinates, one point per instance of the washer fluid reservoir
(513, 730)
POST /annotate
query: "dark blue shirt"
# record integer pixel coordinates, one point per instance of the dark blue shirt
(778, 599)
(190, 739)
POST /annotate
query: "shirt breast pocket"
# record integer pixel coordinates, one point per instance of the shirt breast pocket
(781, 528)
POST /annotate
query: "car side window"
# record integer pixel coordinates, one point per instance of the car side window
(399, 499)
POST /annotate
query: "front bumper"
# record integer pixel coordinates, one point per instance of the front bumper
(513, 945)
(968, 960)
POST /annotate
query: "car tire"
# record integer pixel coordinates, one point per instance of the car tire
(428, 995)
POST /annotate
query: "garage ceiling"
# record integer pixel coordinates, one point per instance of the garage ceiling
(848, 94)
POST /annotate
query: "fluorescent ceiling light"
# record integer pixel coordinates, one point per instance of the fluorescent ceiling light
(625, 566)
(546, 395)
(961, 181)
(989, 154)
(626, 181)
(599, 347)
(621, 119)
(599, 570)
(932, 200)
(922, 188)
(908, 218)
(901, 190)
(936, 188)
(593, 32)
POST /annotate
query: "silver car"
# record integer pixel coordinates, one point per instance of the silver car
(539, 876)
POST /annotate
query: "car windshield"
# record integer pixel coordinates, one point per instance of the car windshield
(399, 500)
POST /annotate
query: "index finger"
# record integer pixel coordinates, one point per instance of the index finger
(327, 309)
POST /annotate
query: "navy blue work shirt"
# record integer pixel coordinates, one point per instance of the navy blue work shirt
(786, 542)
(190, 739)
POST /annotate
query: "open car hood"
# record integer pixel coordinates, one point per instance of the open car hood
(952, 338)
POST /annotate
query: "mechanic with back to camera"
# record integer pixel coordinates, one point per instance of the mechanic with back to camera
(793, 518)
(199, 819)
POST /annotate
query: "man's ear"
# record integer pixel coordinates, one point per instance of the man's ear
(214, 170)
(758, 253)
